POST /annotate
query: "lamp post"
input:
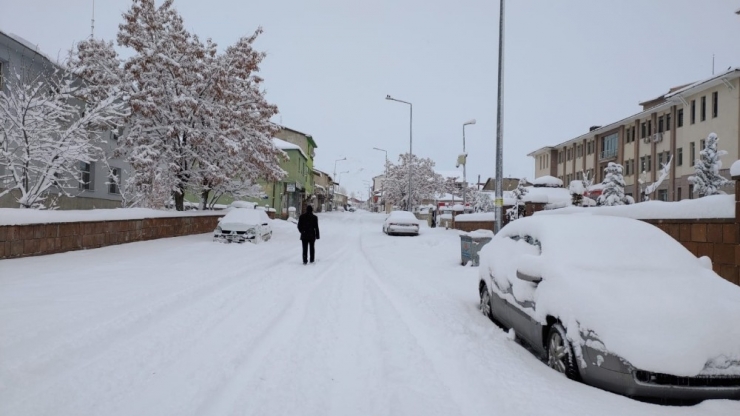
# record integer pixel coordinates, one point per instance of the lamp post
(335, 178)
(500, 124)
(465, 166)
(385, 176)
(411, 136)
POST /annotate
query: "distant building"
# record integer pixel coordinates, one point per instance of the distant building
(675, 123)
(93, 191)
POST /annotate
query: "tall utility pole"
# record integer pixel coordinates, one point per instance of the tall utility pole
(500, 125)
(411, 140)
(465, 166)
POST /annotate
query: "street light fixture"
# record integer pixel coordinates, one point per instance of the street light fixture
(385, 175)
(411, 136)
(465, 166)
(500, 124)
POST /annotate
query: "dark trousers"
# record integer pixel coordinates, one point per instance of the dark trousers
(308, 244)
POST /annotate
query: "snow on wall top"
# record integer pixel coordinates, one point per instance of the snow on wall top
(716, 206)
(478, 216)
(735, 168)
(17, 216)
(283, 145)
(547, 180)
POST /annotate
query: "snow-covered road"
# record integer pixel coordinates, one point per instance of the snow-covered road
(379, 326)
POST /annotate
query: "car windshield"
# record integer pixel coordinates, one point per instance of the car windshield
(402, 216)
(243, 216)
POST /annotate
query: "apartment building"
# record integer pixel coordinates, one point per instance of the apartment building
(675, 123)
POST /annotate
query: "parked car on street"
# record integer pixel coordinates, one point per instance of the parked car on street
(616, 303)
(243, 224)
(401, 223)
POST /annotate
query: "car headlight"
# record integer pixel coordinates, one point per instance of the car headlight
(252, 231)
(218, 229)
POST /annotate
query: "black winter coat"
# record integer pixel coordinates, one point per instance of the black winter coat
(308, 225)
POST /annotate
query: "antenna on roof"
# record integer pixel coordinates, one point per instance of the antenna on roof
(92, 23)
(712, 64)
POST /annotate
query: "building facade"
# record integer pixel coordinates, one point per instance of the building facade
(95, 188)
(674, 124)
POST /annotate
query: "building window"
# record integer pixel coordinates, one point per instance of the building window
(715, 103)
(579, 150)
(609, 145)
(649, 163)
(560, 156)
(679, 123)
(693, 111)
(702, 144)
(667, 122)
(642, 164)
(87, 176)
(660, 124)
(703, 111)
(660, 159)
(644, 131)
(115, 179)
(650, 127)
(679, 156)
(662, 195)
(678, 195)
(691, 191)
(692, 152)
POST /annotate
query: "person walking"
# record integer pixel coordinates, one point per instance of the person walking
(308, 226)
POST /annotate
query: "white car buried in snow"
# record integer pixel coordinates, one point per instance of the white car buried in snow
(243, 224)
(401, 222)
(616, 303)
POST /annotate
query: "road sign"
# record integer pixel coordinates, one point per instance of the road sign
(291, 187)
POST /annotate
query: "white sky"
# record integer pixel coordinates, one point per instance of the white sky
(570, 64)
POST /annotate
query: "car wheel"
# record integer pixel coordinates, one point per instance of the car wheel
(560, 355)
(485, 302)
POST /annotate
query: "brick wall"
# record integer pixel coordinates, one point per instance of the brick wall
(39, 239)
(716, 238)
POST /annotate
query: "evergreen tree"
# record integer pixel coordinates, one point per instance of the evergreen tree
(707, 180)
(613, 193)
(515, 212)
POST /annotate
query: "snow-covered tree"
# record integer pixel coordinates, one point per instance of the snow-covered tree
(613, 193)
(199, 119)
(483, 202)
(664, 172)
(426, 183)
(50, 125)
(707, 180)
(577, 190)
(514, 212)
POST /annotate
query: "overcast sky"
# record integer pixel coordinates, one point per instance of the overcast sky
(570, 64)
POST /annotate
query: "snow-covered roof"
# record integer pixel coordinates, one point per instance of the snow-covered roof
(547, 180)
(28, 44)
(283, 145)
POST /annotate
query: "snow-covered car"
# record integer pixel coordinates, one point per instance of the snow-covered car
(616, 303)
(401, 222)
(243, 224)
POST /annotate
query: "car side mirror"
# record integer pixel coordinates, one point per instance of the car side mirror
(265, 224)
(528, 277)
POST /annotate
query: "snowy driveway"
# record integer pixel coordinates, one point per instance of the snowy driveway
(379, 326)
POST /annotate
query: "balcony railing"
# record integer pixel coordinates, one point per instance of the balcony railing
(608, 154)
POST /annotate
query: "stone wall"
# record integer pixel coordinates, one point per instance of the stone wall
(38, 239)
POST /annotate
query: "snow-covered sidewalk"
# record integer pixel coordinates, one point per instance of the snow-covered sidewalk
(380, 325)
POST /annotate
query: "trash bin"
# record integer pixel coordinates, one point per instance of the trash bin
(470, 245)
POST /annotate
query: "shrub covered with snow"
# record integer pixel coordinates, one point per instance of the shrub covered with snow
(707, 180)
(613, 193)
(547, 181)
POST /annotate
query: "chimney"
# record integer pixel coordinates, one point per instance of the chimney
(592, 128)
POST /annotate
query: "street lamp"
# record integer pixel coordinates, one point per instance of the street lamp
(335, 165)
(411, 136)
(500, 124)
(465, 166)
(385, 177)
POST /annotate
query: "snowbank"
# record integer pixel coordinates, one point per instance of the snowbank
(735, 168)
(478, 234)
(547, 195)
(654, 305)
(17, 216)
(547, 180)
(458, 207)
(478, 216)
(716, 206)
